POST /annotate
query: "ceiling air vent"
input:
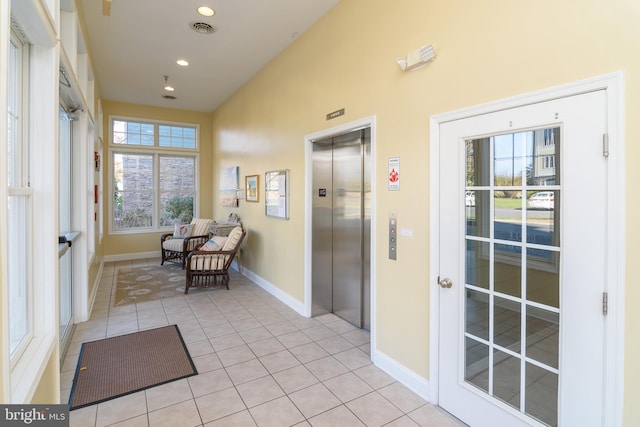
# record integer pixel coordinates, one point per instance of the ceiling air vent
(169, 97)
(202, 28)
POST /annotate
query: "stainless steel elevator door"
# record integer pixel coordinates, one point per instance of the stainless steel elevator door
(341, 242)
(322, 226)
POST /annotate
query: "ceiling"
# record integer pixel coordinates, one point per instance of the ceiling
(140, 42)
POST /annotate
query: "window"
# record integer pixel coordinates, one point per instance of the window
(132, 133)
(144, 134)
(19, 206)
(549, 137)
(28, 176)
(153, 175)
(549, 162)
(177, 137)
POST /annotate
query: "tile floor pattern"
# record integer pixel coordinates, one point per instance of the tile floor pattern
(259, 362)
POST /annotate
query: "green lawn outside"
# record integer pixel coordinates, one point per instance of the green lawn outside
(508, 203)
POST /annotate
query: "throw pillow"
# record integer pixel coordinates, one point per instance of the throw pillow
(214, 244)
(182, 231)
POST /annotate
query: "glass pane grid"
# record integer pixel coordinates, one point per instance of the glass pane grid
(177, 136)
(512, 260)
(18, 232)
(133, 133)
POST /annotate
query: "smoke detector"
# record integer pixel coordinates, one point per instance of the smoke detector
(202, 28)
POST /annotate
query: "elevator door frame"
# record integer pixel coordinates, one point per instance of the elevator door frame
(367, 122)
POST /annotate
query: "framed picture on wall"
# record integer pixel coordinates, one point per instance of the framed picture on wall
(229, 187)
(276, 194)
(251, 188)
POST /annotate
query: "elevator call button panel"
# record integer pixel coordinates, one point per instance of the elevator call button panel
(393, 236)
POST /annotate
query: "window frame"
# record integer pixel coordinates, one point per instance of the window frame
(155, 151)
(22, 188)
(23, 373)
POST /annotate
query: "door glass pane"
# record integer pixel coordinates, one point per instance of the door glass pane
(506, 378)
(508, 158)
(477, 363)
(65, 292)
(507, 269)
(543, 280)
(477, 264)
(541, 219)
(543, 157)
(542, 336)
(512, 311)
(506, 323)
(478, 314)
(541, 394)
(64, 196)
(507, 221)
(477, 212)
(64, 171)
(477, 166)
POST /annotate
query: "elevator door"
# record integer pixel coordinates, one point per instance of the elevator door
(341, 227)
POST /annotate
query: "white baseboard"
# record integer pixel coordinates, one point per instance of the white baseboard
(126, 257)
(96, 284)
(402, 374)
(293, 303)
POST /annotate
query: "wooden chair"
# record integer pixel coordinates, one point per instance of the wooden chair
(176, 249)
(207, 269)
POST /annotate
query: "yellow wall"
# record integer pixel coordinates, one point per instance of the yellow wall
(485, 51)
(123, 244)
(48, 390)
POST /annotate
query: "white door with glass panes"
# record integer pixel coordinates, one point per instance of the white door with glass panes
(523, 210)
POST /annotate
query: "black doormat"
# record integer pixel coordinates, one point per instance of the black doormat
(117, 366)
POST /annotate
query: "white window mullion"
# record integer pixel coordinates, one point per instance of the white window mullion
(156, 190)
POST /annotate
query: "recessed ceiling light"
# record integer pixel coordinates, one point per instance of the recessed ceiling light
(167, 86)
(182, 62)
(206, 11)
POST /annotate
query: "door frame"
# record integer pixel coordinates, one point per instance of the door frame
(613, 83)
(366, 122)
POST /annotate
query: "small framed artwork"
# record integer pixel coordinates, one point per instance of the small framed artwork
(251, 188)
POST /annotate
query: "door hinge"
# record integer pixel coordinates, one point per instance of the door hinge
(605, 144)
(605, 303)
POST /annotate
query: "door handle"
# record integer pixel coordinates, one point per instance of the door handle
(63, 240)
(445, 283)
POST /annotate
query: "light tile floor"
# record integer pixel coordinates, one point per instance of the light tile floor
(259, 362)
